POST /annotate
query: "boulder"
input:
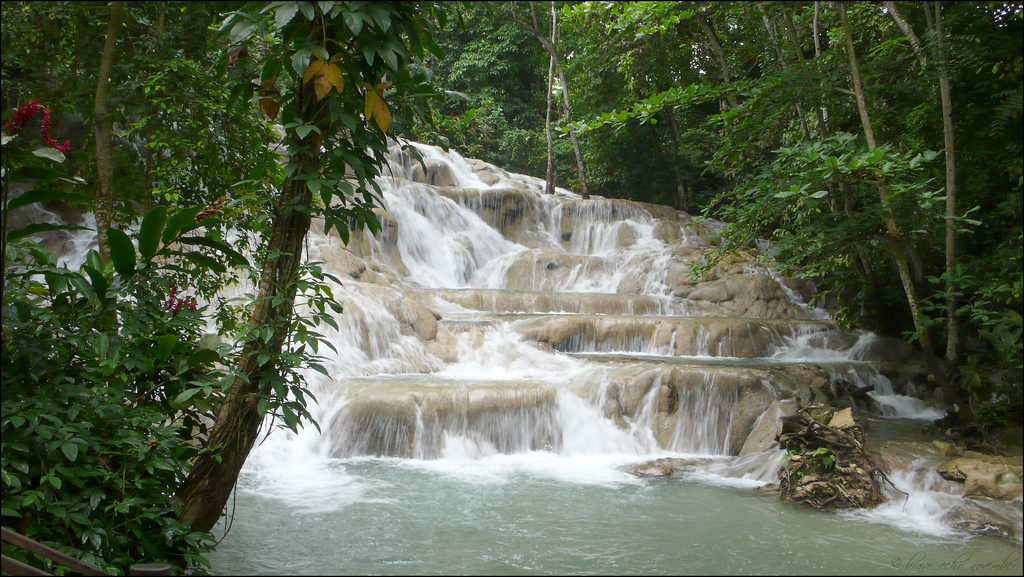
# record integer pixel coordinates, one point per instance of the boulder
(985, 475)
(486, 172)
(762, 435)
(749, 295)
(986, 517)
(433, 171)
(666, 467)
(842, 419)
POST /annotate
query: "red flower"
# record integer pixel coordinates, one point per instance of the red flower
(174, 304)
(24, 115)
(210, 211)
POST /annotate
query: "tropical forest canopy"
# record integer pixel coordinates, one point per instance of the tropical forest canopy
(872, 147)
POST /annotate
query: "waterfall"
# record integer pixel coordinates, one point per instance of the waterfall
(489, 318)
(491, 323)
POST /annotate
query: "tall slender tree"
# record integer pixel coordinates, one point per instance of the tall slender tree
(552, 49)
(549, 186)
(897, 249)
(318, 79)
(104, 163)
(940, 57)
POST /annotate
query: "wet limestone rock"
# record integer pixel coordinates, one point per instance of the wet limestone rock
(487, 172)
(433, 171)
(762, 435)
(749, 295)
(828, 466)
(668, 467)
(984, 475)
(977, 514)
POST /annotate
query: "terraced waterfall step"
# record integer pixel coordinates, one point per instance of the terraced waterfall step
(520, 301)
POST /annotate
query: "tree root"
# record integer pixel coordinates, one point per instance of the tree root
(828, 466)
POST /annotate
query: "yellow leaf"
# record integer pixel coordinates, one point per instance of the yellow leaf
(321, 86)
(382, 115)
(270, 106)
(324, 76)
(375, 107)
(369, 100)
(315, 67)
(333, 74)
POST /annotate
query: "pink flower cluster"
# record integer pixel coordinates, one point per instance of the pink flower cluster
(210, 211)
(24, 115)
(174, 304)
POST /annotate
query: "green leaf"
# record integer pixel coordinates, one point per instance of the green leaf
(150, 230)
(307, 10)
(242, 29)
(70, 451)
(39, 227)
(51, 153)
(300, 60)
(44, 195)
(290, 418)
(179, 222)
(234, 257)
(205, 261)
(203, 357)
(165, 345)
(304, 130)
(122, 252)
(99, 282)
(285, 14)
(40, 173)
(185, 395)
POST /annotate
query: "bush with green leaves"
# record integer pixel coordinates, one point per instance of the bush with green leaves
(108, 390)
(817, 204)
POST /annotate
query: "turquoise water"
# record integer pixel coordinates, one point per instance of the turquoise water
(533, 514)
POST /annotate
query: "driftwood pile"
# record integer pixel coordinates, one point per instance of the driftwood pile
(828, 466)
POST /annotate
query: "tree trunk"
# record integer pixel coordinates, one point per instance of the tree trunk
(782, 62)
(584, 188)
(147, 138)
(716, 47)
(206, 490)
(209, 484)
(934, 23)
(104, 165)
(953, 325)
(552, 50)
(682, 195)
(822, 110)
(899, 256)
(890, 7)
(550, 186)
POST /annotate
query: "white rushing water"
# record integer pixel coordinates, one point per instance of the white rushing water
(524, 347)
(451, 239)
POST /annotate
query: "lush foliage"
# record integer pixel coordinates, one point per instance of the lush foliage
(745, 111)
(116, 374)
(108, 385)
(742, 111)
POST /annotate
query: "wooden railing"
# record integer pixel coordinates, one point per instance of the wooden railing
(15, 567)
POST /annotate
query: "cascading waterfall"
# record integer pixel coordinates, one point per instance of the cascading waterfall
(487, 244)
(492, 333)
